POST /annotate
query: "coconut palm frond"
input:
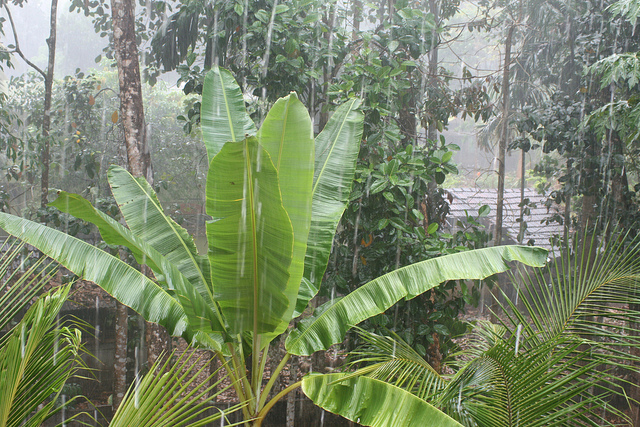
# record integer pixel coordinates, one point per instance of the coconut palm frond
(531, 386)
(22, 277)
(595, 297)
(36, 359)
(392, 360)
(177, 391)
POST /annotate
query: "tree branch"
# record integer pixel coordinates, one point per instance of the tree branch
(17, 48)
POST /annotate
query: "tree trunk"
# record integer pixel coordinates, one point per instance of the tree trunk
(131, 107)
(523, 182)
(432, 130)
(291, 397)
(46, 117)
(502, 154)
(120, 364)
(504, 135)
(138, 158)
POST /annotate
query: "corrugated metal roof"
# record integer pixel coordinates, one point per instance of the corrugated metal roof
(539, 228)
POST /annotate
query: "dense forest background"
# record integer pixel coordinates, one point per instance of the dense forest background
(536, 97)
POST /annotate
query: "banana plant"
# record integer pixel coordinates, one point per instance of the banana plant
(275, 196)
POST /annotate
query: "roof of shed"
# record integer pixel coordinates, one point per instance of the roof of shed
(539, 228)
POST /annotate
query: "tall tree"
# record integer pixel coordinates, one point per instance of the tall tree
(139, 163)
(48, 84)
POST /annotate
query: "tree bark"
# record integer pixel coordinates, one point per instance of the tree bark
(46, 117)
(502, 154)
(120, 363)
(131, 107)
(138, 158)
(523, 182)
(291, 397)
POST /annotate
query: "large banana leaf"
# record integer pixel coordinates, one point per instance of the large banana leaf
(119, 279)
(287, 135)
(321, 331)
(35, 362)
(371, 402)
(337, 149)
(202, 313)
(223, 115)
(146, 219)
(250, 238)
(111, 231)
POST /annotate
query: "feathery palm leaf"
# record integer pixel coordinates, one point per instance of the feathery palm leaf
(392, 360)
(594, 296)
(36, 359)
(174, 393)
(21, 282)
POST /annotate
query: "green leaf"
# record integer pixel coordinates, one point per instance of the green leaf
(36, 359)
(223, 114)
(433, 227)
(378, 186)
(321, 331)
(177, 390)
(250, 238)
(337, 149)
(371, 402)
(146, 220)
(119, 279)
(200, 309)
(23, 284)
(287, 135)
(484, 211)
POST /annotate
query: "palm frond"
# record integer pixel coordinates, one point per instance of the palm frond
(174, 393)
(594, 296)
(392, 360)
(21, 278)
(36, 360)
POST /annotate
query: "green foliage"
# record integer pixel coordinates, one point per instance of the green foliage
(38, 354)
(257, 211)
(174, 392)
(539, 366)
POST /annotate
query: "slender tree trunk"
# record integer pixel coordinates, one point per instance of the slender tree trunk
(432, 130)
(523, 181)
(120, 364)
(131, 107)
(357, 14)
(502, 150)
(138, 158)
(46, 118)
(291, 397)
(502, 154)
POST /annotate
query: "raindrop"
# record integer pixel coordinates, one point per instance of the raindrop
(136, 401)
(64, 410)
(22, 340)
(518, 334)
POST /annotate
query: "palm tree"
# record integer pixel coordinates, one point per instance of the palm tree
(37, 354)
(275, 196)
(559, 361)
